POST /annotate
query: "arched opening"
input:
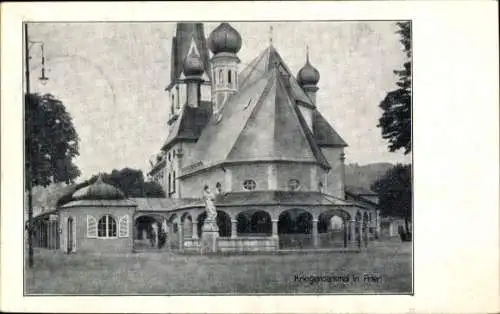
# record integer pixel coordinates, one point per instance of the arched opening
(187, 226)
(254, 223)
(295, 229)
(333, 228)
(70, 235)
(149, 232)
(223, 222)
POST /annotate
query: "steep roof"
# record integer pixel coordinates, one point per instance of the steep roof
(181, 42)
(267, 60)
(189, 124)
(252, 124)
(324, 134)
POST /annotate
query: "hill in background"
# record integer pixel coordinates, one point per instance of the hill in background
(364, 175)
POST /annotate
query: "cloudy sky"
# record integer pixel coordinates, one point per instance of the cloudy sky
(111, 78)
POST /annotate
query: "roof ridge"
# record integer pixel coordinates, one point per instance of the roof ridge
(263, 96)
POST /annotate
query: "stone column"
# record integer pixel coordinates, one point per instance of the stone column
(353, 232)
(180, 231)
(234, 230)
(315, 232)
(195, 230)
(275, 228)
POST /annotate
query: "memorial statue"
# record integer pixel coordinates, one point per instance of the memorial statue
(209, 198)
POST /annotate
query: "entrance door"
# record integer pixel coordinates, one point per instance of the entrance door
(70, 235)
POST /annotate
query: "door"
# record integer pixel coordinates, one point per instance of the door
(70, 235)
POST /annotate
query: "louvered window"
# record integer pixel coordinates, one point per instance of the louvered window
(91, 227)
(123, 226)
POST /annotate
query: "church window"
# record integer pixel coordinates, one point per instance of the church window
(229, 78)
(293, 184)
(221, 77)
(169, 183)
(173, 182)
(106, 227)
(249, 185)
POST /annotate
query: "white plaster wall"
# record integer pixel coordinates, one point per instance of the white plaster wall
(334, 178)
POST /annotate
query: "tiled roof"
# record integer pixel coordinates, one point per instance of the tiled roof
(252, 125)
(189, 124)
(278, 198)
(185, 33)
(324, 134)
(163, 204)
(100, 203)
(267, 60)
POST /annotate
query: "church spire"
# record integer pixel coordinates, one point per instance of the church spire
(270, 35)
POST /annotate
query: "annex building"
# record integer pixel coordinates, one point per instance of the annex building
(255, 137)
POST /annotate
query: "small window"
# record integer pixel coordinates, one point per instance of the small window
(169, 183)
(221, 77)
(173, 182)
(106, 228)
(293, 184)
(218, 188)
(229, 78)
(249, 185)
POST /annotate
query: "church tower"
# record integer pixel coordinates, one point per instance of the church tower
(190, 40)
(224, 42)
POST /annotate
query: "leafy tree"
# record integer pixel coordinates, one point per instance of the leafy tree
(51, 141)
(394, 190)
(129, 181)
(396, 118)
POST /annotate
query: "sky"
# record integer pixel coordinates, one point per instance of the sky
(111, 78)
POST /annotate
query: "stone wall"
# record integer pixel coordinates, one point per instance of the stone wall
(243, 244)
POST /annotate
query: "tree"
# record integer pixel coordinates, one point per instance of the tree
(396, 117)
(394, 190)
(51, 141)
(129, 181)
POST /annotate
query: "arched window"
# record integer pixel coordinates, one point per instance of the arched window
(106, 227)
(173, 181)
(249, 185)
(169, 183)
(221, 77)
(172, 104)
(229, 78)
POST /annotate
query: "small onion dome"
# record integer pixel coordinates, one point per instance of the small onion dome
(99, 190)
(193, 65)
(224, 38)
(308, 75)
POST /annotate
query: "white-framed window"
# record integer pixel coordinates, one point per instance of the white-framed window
(249, 185)
(123, 226)
(91, 227)
(106, 227)
(293, 184)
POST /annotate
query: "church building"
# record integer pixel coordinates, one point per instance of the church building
(255, 137)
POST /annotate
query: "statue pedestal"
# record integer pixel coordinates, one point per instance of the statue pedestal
(209, 235)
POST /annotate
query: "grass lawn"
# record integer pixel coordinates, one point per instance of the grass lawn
(169, 273)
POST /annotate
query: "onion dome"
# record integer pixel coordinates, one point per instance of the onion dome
(308, 75)
(224, 38)
(99, 190)
(193, 65)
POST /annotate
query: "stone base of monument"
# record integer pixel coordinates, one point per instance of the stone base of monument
(209, 235)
